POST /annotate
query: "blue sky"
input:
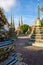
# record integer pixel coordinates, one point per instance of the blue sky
(25, 8)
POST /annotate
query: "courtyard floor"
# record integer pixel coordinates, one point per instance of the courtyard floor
(32, 55)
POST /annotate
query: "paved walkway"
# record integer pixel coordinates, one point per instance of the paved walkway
(32, 55)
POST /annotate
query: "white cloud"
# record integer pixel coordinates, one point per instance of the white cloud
(7, 4)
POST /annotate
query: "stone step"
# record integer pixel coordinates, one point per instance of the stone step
(37, 40)
(37, 35)
(37, 44)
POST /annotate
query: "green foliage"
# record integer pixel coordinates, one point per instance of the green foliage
(24, 28)
(42, 22)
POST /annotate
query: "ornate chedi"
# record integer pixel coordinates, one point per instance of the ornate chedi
(8, 54)
(37, 33)
(20, 23)
(3, 17)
